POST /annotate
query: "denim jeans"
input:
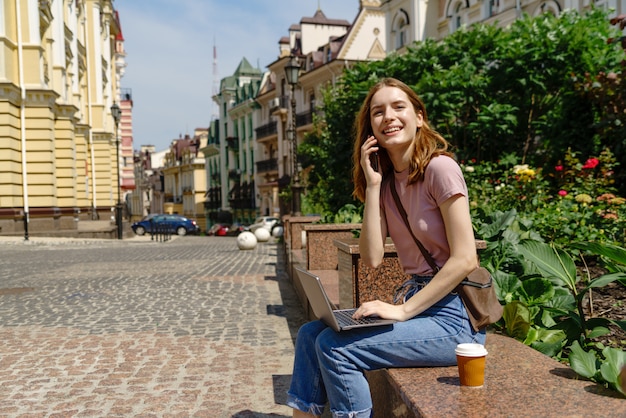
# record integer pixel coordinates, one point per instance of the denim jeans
(329, 366)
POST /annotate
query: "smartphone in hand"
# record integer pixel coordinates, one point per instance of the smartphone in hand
(374, 161)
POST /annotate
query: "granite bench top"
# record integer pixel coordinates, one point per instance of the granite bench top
(519, 382)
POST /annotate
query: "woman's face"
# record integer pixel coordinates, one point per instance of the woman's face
(394, 120)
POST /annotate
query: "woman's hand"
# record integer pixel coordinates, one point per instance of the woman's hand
(380, 309)
(368, 153)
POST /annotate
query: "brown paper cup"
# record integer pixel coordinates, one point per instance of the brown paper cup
(471, 363)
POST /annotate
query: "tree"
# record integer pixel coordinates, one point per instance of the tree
(490, 91)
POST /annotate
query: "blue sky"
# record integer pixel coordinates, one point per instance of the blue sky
(169, 53)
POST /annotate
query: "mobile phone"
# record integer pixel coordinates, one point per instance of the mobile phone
(374, 160)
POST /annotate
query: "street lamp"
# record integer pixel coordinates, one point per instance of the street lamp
(116, 112)
(292, 72)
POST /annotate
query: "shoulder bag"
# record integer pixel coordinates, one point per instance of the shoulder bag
(476, 290)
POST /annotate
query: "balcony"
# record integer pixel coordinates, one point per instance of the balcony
(234, 174)
(267, 165)
(266, 130)
(281, 102)
(232, 142)
(306, 118)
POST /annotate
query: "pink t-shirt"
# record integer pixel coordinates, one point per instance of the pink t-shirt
(442, 180)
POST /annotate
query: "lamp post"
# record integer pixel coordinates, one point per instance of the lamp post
(116, 112)
(292, 72)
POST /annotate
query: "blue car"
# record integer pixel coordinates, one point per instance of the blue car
(173, 223)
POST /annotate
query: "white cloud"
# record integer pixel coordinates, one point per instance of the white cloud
(169, 46)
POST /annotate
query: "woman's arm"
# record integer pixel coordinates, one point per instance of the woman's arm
(371, 241)
(462, 261)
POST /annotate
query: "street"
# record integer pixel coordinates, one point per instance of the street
(187, 327)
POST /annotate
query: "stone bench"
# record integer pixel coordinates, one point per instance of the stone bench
(519, 381)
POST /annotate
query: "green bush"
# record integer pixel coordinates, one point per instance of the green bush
(571, 202)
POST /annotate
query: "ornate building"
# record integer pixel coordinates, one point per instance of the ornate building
(60, 69)
(184, 181)
(230, 150)
(322, 47)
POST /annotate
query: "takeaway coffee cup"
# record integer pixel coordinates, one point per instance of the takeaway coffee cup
(470, 359)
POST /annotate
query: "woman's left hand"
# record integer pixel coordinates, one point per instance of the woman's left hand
(380, 309)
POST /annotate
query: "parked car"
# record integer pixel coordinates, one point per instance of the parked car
(266, 222)
(236, 229)
(174, 223)
(218, 230)
(222, 230)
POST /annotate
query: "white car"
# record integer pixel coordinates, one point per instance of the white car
(266, 222)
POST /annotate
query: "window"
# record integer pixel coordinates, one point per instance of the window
(400, 29)
(492, 7)
(455, 18)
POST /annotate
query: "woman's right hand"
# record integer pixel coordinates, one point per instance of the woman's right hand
(369, 150)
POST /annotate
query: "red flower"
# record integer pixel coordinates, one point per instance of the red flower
(558, 168)
(591, 163)
(562, 193)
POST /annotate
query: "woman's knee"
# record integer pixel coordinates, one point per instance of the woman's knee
(326, 342)
(308, 333)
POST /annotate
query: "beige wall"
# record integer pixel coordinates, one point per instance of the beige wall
(63, 70)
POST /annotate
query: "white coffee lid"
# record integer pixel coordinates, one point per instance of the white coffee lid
(471, 350)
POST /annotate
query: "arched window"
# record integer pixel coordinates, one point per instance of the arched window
(400, 31)
(491, 8)
(551, 7)
(456, 17)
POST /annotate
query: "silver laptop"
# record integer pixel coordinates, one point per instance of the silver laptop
(337, 319)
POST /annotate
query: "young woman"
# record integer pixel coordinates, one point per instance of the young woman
(395, 143)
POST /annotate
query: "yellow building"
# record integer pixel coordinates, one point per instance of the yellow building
(184, 177)
(60, 68)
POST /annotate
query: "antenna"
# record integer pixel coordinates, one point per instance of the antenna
(214, 111)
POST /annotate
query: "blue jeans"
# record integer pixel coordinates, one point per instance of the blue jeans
(329, 365)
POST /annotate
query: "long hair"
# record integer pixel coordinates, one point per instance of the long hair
(427, 142)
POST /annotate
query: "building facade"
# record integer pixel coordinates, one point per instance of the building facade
(184, 180)
(323, 47)
(60, 68)
(231, 149)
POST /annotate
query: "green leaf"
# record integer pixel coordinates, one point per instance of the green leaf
(550, 349)
(517, 320)
(537, 291)
(598, 332)
(621, 324)
(606, 279)
(562, 300)
(532, 336)
(551, 336)
(584, 363)
(551, 262)
(501, 222)
(614, 361)
(506, 285)
(610, 251)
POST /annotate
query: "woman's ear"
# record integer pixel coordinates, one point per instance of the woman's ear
(419, 120)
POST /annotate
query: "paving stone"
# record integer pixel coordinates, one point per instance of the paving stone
(188, 327)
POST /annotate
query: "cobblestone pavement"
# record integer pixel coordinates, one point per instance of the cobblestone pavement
(191, 327)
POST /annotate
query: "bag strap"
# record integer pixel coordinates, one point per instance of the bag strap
(425, 253)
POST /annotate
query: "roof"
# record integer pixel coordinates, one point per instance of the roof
(320, 19)
(245, 68)
(119, 36)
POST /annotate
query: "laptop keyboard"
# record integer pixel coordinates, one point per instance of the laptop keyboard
(344, 317)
